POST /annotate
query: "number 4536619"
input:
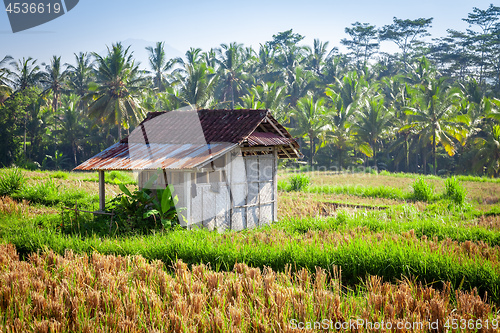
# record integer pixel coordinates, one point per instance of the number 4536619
(471, 324)
(32, 8)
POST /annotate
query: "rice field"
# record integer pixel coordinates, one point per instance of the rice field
(98, 293)
(351, 253)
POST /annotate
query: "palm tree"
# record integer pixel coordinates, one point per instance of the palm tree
(318, 55)
(26, 74)
(72, 130)
(196, 84)
(80, 76)
(5, 82)
(433, 116)
(193, 56)
(341, 119)
(54, 81)
(299, 83)
(371, 123)
(266, 96)
(119, 84)
(310, 121)
(231, 74)
(487, 158)
(159, 64)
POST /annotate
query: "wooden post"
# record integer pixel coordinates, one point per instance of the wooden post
(186, 198)
(275, 184)
(102, 194)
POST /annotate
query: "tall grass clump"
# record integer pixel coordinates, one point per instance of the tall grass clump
(283, 185)
(455, 191)
(50, 193)
(299, 182)
(11, 181)
(422, 191)
(59, 175)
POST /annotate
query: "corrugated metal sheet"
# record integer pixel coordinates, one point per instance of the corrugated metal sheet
(206, 125)
(136, 156)
(188, 139)
(268, 139)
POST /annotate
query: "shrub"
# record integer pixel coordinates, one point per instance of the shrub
(283, 185)
(60, 175)
(455, 191)
(11, 181)
(299, 182)
(422, 191)
(42, 192)
(142, 211)
(118, 177)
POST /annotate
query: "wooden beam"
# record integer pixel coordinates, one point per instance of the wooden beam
(256, 149)
(286, 153)
(102, 192)
(276, 128)
(290, 145)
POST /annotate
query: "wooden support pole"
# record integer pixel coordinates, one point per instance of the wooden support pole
(102, 193)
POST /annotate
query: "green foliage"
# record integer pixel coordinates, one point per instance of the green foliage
(115, 178)
(299, 182)
(422, 191)
(119, 177)
(11, 181)
(455, 191)
(283, 185)
(59, 175)
(50, 193)
(361, 191)
(142, 211)
(364, 253)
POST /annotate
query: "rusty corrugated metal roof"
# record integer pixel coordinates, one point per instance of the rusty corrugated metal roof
(216, 125)
(188, 139)
(268, 139)
(137, 156)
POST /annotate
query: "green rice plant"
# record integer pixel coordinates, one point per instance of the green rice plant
(455, 191)
(358, 252)
(11, 181)
(59, 175)
(50, 193)
(119, 177)
(422, 191)
(115, 178)
(283, 185)
(361, 191)
(299, 182)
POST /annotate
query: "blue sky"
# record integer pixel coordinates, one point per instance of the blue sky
(93, 24)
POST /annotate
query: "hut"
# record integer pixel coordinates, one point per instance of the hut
(221, 163)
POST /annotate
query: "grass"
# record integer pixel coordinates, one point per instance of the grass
(442, 245)
(115, 178)
(117, 293)
(359, 251)
(361, 191)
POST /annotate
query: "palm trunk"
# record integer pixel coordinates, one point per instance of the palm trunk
(434, 152)
(74, 152)
(232, 96)
(424, 160)
(340, 159)
(407, 153)
(312, 149)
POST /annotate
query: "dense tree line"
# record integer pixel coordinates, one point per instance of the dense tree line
(431, 107)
